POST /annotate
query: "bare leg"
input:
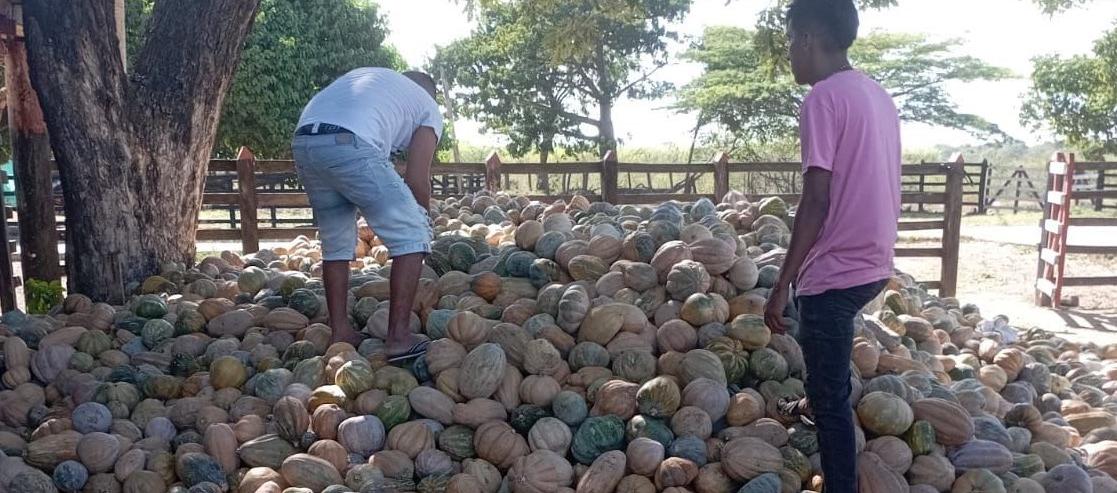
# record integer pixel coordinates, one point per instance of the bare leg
(335, 276)
(406, 270)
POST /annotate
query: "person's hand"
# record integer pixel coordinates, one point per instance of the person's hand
(773, 310)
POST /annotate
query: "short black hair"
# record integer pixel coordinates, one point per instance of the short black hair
(835, 19)
(424, 80)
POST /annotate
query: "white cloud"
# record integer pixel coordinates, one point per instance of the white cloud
(1007, 33)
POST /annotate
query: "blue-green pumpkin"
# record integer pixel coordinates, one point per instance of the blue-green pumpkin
(645, 427)
(462, 256)
(595, 436)
(305, 302)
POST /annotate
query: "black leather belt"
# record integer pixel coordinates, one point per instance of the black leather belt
(323, 129)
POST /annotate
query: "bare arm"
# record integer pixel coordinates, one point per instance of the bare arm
(420, 154)
(809, 219)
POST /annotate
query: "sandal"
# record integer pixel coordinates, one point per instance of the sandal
(419, 349)
(793, 408)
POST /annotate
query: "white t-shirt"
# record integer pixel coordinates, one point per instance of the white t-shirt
(379, 105)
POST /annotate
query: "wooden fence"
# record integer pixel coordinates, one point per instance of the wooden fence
(1057, 220)
(237, 190)
(937, 189)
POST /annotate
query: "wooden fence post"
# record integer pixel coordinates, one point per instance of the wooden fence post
(609, 177)
(952, 224)
(1101, 186)
(7, 274)
(492, 172)
(246, 183)
(721, 176)
(982, 187)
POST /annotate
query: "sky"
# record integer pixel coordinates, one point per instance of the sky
(1006, 33)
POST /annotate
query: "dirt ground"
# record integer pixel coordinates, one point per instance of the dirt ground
(997, 270)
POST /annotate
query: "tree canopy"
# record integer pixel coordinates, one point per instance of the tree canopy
(546, 71)
(1076, 97)
(757, 103)
(296, 47)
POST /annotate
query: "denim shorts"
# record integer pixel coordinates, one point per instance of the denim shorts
(341, 174)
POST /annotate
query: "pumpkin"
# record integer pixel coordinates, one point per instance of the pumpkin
(570, 407)
(658, 398)
(883, 413)
(951, 422)
(498, 443)
(745, 407)
(539, 472)
(894, 453)
(604, 474)
(393, 464)
(550, 434)
(291, 418)
(332, 452)
(485, 367)
(308, 471)
(690, 420)
(687, 278)
(979, 481)
(265, 451)
(750, 330)
(597, 435)
(874, 476)
(363, 435)
(981, 454)
(746, 458)
(708, 395)
(227, 372)
(430, 403)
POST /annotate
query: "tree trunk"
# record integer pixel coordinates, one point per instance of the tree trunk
(544, 178)
(132, 151)
(38, 233)
(607, 139)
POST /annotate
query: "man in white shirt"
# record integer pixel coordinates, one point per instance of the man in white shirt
(342, 148)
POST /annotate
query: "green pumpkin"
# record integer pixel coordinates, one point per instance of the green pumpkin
(803, 438)
(437, 323)
(305, 302)
(797, 462)
(543, 272)
(548, 244)
(252, 280)
(291, 284)
(635, 366)
(363, 310)
(130, 323)
(310, 372)
(149, 306)
(597, 435)
(641, 426)
(354, 377)
(156, 332)
(439, 262)
(184, 365)
(189, 322)
(570, 407)
(93, 342)
(394, 380)
(588, 354)
(462, 257)
(659, 397)
(764, 483)
(736, 366)
(162, 387)
(767, 364)
(393, 411)
(524, 417)
(269, 385)
(82, 362)
(457, 441)
(1025, 465)
(125, 394)
(435, 483)
(519, 263)
(920, 437)
(298, 351)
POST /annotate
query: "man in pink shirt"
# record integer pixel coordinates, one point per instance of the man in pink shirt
(840, 256)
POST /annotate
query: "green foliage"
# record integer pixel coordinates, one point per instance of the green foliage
(542, 72)
(1076, 98)
(296, 47)
(755, 102)
(42, 295)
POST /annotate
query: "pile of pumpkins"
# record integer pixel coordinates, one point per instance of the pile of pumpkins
(576, 346)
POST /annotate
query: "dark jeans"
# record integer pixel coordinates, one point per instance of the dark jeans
(826, 335)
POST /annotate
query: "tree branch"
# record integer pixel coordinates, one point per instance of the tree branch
(641, 79)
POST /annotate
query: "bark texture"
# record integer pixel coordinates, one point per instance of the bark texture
(132, 148)
(38, 233)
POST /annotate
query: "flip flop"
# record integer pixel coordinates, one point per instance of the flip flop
(792, 409)
(414, 351)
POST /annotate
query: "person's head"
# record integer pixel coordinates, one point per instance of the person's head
(425, 81)
(819, 33)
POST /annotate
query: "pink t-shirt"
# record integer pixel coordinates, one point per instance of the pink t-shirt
(850, 127)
